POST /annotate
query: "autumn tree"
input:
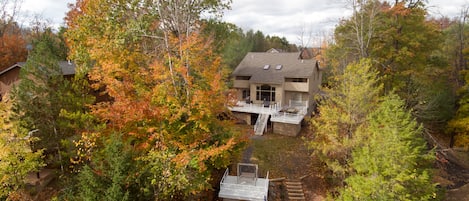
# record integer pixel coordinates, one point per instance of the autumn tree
(166, 88)
(457, 48)
(12, 43)
(391, 161)
(351, 97)
(405, 48)
(16, 157)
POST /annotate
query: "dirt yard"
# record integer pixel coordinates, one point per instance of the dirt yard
(285, 158)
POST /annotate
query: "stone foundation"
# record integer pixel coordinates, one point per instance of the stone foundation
(287, 129)
(243, 116)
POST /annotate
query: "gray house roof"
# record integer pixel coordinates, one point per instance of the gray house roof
(291, 67)
(68, 68)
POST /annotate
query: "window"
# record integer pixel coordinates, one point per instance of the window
(243, 77)
(266, 67)
(265, 92)
(304, 80)
(278, 67)
(246, 93)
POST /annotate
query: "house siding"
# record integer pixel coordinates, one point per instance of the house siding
(8, 79)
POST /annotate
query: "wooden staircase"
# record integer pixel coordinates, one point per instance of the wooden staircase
(261, 124)
(294, 190)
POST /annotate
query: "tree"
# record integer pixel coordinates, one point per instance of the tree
(38, 97)
(351, 97)
(391, 161)
(166, 88)
(459, 125)
(108, 179)
(457, 46)
(16, 157)
(12, 42)
(354, 37)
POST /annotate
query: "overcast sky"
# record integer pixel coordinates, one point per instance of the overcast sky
(284, 18)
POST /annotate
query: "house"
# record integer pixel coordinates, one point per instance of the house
(10, 76)
(277, 89)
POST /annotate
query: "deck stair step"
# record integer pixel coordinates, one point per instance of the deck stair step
(261, 124)
(294, 190)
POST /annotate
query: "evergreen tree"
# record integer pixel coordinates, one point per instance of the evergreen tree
(38, 97)
(391, 161)
(109, 178)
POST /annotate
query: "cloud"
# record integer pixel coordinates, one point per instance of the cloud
(290, 18)
(284, 18)
(287, 18)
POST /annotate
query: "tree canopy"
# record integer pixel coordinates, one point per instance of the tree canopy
(166, 87)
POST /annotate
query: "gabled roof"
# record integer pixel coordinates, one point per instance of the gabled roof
(292, 67)
(68, 68)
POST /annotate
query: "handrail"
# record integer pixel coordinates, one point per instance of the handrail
(224, 176)
(267, 183)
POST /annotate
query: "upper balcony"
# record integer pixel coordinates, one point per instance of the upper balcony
(241, 82)
(296, 84)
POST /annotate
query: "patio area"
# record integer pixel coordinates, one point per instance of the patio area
(286, 114)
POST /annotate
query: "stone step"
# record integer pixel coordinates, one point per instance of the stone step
(296, 198)
(295, 194)
(294, 190)
(296, 183)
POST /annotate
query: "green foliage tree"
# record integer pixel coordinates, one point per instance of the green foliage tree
(16, 157)
(391, 161)
(405, 48)
(38, 99)
(111, 177)
(351, 97)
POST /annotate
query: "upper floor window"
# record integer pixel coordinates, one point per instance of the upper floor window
(296, 79)
(243, 77)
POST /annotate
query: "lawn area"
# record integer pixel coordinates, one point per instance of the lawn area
(282, 156)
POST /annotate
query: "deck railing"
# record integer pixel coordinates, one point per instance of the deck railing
(267, 184)
(224, 177)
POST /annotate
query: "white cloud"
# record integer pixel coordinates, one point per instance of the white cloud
(284, 18)
(51, 10)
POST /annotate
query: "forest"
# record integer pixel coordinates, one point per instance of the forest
(145, 116)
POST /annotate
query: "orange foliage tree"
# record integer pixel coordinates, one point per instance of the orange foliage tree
(12, 46)
(166, 86)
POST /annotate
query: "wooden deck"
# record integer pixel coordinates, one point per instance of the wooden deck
(273, 110)
(243, 188)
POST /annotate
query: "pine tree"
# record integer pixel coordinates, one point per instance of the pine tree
(391, 161)
(110, 178)
(38, 99)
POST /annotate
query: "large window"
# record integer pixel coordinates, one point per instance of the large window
(265, 92)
